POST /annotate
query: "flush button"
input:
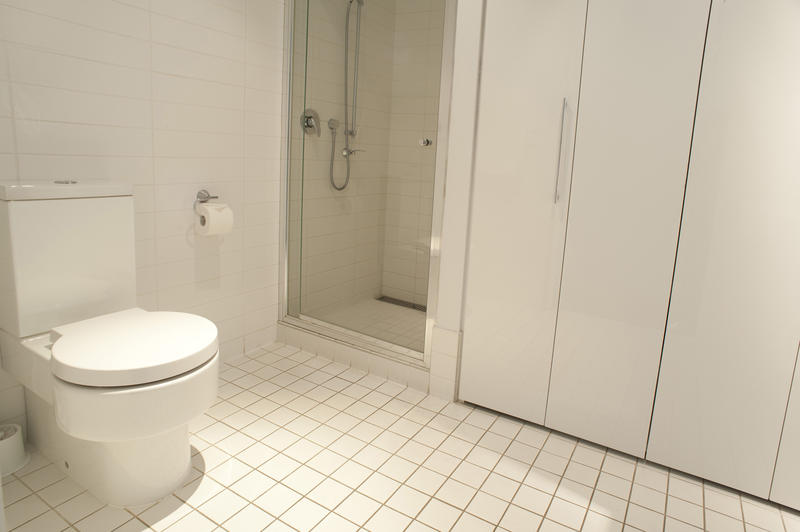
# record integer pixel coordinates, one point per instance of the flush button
(65, 182)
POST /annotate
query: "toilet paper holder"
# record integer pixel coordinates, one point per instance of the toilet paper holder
(202, 197)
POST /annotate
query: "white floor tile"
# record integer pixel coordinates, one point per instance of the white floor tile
(330, 493)
(222, 506)
(608, 505)
(595, 522)
(426, 481)
(16, 490)
(674, 525)
(57, 493)
(439, 515)
(455, 493)
(106, 518)
(277, 499)
(648, 498)
(351, 474)
(252, 485)
(303, 480)
(335, 523)
(198, 491)
(534, 500)
(723, 500)
(566, 513)
(397, 468)
(193, 522)
(76, 508)
(408, 501)
(487, 507)
(574, 492)
(249, 518)
(470, 474)
(304, 515)
(685, 511)
(43, 477)
(643, 518)
(388, 520)
(517, 518)
(366, 451)
(760, 514)
(357, 508)
(470, 523)
(501, 487)
(614, 485)
(379, 487)
(165, 513)
(47, 522)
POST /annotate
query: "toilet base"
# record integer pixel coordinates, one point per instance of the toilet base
(125, 473)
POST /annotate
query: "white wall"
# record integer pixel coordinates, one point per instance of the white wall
(452, 249)
(171, 96)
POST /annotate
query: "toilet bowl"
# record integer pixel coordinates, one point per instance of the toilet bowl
(110, 398)
(109, 388)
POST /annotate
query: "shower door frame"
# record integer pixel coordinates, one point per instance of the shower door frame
(328, 330)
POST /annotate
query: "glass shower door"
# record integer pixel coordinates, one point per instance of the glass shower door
(364, 104)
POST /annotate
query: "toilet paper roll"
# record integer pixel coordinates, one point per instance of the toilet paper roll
(12, 449)
(213, 219)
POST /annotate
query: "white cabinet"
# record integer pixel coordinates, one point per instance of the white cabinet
(786, 482)
(526, 122)
(734, 319)
(641, 70)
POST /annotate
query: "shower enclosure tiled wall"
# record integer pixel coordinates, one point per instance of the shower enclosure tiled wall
(359, 257)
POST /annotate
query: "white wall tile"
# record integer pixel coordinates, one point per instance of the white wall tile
(153, 94)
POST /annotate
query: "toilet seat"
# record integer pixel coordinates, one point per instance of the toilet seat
(132, 347)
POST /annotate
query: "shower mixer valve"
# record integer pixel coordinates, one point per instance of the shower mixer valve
(347, 152)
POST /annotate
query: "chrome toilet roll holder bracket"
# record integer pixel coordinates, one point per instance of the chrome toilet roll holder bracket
(203, 196)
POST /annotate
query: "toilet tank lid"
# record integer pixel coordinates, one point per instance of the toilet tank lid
(132, 347)
(62, 189)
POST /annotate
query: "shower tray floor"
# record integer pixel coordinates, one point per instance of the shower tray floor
(392, 323)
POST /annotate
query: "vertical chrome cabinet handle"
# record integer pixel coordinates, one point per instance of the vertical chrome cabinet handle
(560, 147)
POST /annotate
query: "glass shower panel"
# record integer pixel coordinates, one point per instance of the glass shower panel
(364, 105)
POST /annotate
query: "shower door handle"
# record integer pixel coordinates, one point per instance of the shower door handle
(560, 147)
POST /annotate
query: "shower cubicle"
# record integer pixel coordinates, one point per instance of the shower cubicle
(364, 105)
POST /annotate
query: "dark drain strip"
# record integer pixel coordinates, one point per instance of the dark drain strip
(401, 303)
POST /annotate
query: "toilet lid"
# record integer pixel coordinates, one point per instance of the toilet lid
(132, 347)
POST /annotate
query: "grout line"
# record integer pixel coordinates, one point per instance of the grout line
(340, 379)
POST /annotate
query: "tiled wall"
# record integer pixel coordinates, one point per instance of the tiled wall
(342, 232)
(417, 63)
(372, 238)
(171, 96)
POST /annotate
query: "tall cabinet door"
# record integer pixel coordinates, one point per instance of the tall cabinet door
(641, 71)
(786, 482)
(526, 122)
(734, 319)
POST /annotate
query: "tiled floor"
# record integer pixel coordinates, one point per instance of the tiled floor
(299, 442)
(391, 323)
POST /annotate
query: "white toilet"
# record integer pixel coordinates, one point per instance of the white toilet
(110, 388)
